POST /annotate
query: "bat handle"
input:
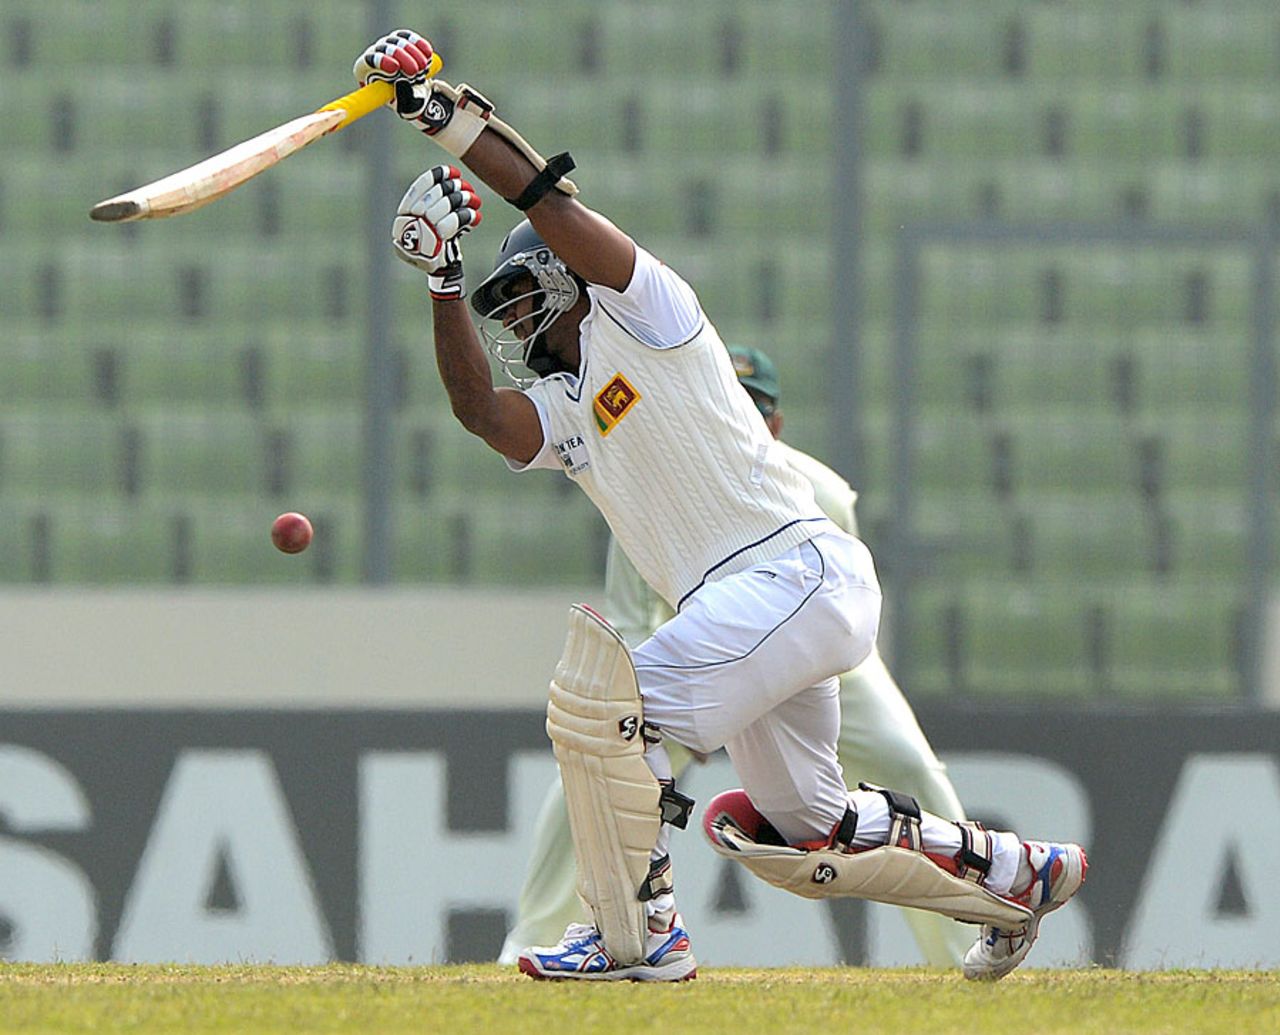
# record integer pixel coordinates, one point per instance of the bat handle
(371, 96)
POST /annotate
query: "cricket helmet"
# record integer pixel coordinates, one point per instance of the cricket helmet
(526, 267)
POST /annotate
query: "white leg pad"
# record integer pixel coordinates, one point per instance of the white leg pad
(898, 876)
(594, 720)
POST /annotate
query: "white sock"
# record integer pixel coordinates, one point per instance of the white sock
(940, 836)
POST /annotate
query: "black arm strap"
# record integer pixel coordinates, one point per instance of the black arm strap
(556, 167)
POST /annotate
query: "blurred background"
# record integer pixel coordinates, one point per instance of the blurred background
(1014, 260)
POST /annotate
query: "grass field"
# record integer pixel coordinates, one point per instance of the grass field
(380, 1000)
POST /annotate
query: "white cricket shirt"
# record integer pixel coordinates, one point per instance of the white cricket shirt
(659, 433)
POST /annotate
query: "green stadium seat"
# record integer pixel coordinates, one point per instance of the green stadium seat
(121, 38)
(1025, 641)
(428, 535)
(901, 191)
(201, 454)
(311, 371)
(109, 285)
(1174, 644)
(936, 40)
(1042, 190)
(457, 536)
(1214, 192)
(1190, 373)
(961, 534)
(319, 197)
(700, 118)
(201, 369)
(116, 114)
(46, 454)
(54, 196)
(797, 50)
(557, 541)
(216, 39)
(1206, 453)
(271, 286)
(665, 43)
(47, 373)
(339, 33)
(419, 388)
(1206, 44)
(435, 456)
(926, 640)
(990, 286)
(98, 541)
(1125, 122)
(1071, 454)
(1239, 122)
(29, 118)
(1210, 534)
(17, 545)
(29, 299)
(1048, 370)
(1079, 539)
(326, 454)
(1098, 292)
(953, 454)
(1086, 43)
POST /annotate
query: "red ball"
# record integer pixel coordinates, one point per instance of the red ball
(291, 533)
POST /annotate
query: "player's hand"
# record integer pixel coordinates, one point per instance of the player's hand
(402, 54)
(402, 59)
(437, 209)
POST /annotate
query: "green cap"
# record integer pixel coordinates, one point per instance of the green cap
(755, 370)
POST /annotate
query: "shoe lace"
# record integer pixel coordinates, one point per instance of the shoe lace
(576, 935)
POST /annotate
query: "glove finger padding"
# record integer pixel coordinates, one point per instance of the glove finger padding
(428, 190)
(437, 209)
(401, 56)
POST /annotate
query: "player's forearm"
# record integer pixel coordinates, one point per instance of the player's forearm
(499, 164)
(592, 246)
(463, 365)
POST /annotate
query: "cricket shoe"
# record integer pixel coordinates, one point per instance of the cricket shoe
(581, 954)
(1057, 871)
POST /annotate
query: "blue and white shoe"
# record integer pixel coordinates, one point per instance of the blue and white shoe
(1057, 871)
(581, 954)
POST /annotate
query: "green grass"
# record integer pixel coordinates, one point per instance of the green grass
(66, 998)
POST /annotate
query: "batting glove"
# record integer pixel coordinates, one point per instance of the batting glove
(401, 56)
(453, 116)
(434, 213)
(401, 59)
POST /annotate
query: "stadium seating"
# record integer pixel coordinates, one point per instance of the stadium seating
(1079, 417)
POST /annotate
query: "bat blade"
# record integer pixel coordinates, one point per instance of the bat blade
(190, 188)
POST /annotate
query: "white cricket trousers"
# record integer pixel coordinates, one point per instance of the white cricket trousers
(751, 664)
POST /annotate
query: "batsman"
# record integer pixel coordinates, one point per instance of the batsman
(621, 383)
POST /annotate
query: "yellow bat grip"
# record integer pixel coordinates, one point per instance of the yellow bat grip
(371, 96)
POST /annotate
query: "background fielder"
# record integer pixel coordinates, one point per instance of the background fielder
(880, 739)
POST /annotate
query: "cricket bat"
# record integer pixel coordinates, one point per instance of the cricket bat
(206, 181)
